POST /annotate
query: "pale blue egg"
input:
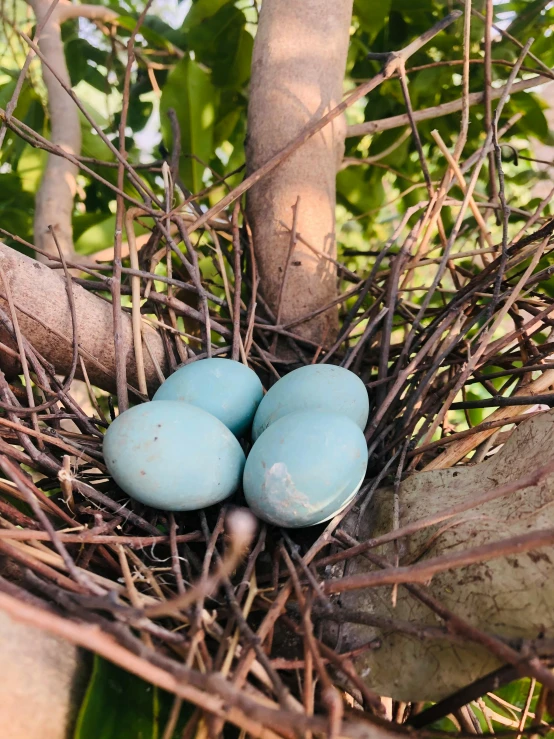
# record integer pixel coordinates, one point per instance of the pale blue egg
(173, 456)
(228, 390)
(305, 468)
(314, 387)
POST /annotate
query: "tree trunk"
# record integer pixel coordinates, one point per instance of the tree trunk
(298, 71)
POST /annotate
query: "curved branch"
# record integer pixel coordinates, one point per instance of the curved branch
(66, 10)
(44, 317)
(54, 200)
(475, 98)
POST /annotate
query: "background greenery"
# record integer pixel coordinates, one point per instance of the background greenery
(201, 69)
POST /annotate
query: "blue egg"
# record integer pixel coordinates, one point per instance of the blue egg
(305, 468)
(321, 387)
(173, 456)
(228, 390)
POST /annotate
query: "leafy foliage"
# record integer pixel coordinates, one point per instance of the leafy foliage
(191, 94)
(201, 70)
(435, 79)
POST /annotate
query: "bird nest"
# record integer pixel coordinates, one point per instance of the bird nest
(201, 599)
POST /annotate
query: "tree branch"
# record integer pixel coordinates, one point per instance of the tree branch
(298, 83)
(210, 691)
(424, 571)
(47, 325)
(475, 98)
(54, 200)
(65, 11)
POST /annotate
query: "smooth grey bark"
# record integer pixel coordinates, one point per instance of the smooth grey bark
(298, 72)
(43, 313)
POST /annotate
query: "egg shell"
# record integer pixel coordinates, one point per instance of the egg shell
(173, 456)
(305, 468)
(227, 389)
(314, 387)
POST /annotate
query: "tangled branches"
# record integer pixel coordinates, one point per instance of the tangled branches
(204, 605)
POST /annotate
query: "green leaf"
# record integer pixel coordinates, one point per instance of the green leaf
(92, 145)
(360, 189)
(139, 112)
(372, 15)
(201, 10)
(222, 43)
(26, 97)
(14, 74)
(152, 36)
(534, 117)
(16, 208)
(79, 54)
(527, 16)
(232, 106)
(94, 232)
(190, 92)
(172, 35)
(429, 85)
(83, 221)
(412, 5)
(242, 61)
(515, 692)
(30, 167)
(6, 92)
(119, 705)
(397, 157)
(30, 110)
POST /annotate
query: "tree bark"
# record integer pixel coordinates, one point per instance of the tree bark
(43, 313)
(510, 597)
(298, 71)
(54, 200)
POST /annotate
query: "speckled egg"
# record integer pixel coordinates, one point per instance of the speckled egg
(315, 387)
(305, 468)
(173, 456)
(228, 390)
